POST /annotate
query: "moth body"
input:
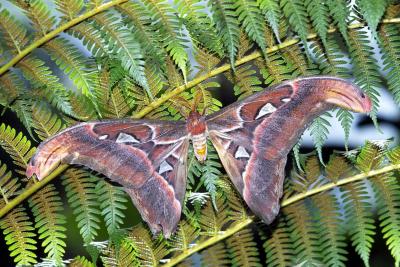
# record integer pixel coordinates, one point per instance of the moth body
(197, 128)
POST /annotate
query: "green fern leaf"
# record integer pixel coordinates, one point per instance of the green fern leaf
(23, 110)
(184, 236)
(214, 216)
(319, 130)
(163, 18)
(137, 18)
(278, 247)
(207, 61)
(332, 236)
(71, 61)
(201, 28)
(17, 146)
(271, 11)
(208, 104)
(304, 234)
(39, 14)
(365, 67)
(246, 81)
(8, 185)
(80, 261)
(337, 168)
(13, 32)
(123, 46)
(295, 12)
(275, 70)
(388, 198)
(251, 18)
(149, 251)
(82, 197)
(112, 204)
(359, 217)
(42, 77)
(340, 13)
(372, 11)
(11, 86)
(210, 172)
(125, 255)
(19, 236)
(47, 207)
(243, 249)
(318, 12)
(90, 37)
(70, 9)
(370, 157)
(215, 255)
(390, 42)
(45, 122)
(296, 60)
(227, 25)
(237, 207)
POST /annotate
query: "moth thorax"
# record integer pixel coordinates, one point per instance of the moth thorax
(200, 146)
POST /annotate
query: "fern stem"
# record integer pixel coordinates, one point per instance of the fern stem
(243, 223)
(158, 102)
(212, 240)
(57, 31)
(31, 190)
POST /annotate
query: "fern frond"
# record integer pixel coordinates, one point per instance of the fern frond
(295, 12)
(114, 104)
(82, 197)
(80, 261)
(319, 130)
(271, 11)
(207, 61)
(304, 234)
(227, 25)
(212, 220)
(45, 122)
(50, 223)
(201, 29)
(208, 103)
(365, 67)
(359, 217)
(137, 17)
(112, 201)
(125, 255)
(71, 61)
(8, 185)
(70, 8)
(19, 236)
(216, 255)
(370, 157)
(242, 249)
(318, 12)
(83, 107)
(149, 251)
(184, 237)
(337, 168)
(237, 207)
(390, 43)
(275, 70)
(11, 86)
(13, 32)
(39, 14)
(90, 37)
(251, 18)
(388, 198)
(332, 236)
(246, 81)
(163, 17)
(372, 11)
(278, 246)
(17, 146)
(123, 46)
(210, 172)
(340, 13)
(296, 60)
(40, 76)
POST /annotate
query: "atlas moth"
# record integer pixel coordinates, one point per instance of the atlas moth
(252, 137)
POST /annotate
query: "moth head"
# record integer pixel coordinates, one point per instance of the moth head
(336, 91)
(195, 123)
